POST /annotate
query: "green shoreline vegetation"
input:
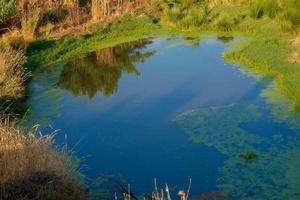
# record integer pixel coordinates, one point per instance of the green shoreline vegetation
(269, 43)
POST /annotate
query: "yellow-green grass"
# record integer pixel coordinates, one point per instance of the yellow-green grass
(12, 73)
(270, 56)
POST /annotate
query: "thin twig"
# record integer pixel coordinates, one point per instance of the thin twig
(189, 188)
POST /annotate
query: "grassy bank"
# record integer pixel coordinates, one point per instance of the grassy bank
(45, 52)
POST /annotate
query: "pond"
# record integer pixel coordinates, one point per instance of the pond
(172, 109)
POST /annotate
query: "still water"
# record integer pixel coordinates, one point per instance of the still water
(172, 109)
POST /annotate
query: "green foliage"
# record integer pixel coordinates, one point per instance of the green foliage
(291, 10)
(270, 57)
(225, 22)
(6, 9)
(286, 25)
(174, 14)
(256, 9)
(195, 17)
(129, 29)
(259, 8)
(271, 8)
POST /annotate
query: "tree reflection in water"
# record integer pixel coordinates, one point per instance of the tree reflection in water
(102, 69)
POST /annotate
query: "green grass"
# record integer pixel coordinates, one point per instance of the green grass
(270, 57)
(6, 9)
(128, 29)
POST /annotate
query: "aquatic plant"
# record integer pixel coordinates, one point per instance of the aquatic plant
(219, 127)
(249, 156)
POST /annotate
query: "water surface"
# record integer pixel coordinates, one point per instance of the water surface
(172, 109)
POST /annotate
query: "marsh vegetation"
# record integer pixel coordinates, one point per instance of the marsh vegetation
(85, 47)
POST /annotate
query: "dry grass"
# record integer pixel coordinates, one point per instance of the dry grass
(295, 56)
(12, 73)
(24, 153)
(103, 9)
(162, 194)
(30, 12)
(32, 168)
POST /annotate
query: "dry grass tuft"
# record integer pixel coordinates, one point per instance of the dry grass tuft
(24, 153)
(31, 167)
(12, 73)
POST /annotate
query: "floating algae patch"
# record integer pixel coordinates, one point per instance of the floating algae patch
(283, 109)
(219, 127)
(273, 176)
(272, 172)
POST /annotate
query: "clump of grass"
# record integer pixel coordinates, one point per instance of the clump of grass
(271, 8)
(6, 9)
(256, 9)
(225, 22)
(30, 13)
(290, 11)
(32, 168)
(12, 73)
(259, 8)
(195, 17)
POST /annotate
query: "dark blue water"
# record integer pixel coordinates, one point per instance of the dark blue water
(172, 110)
